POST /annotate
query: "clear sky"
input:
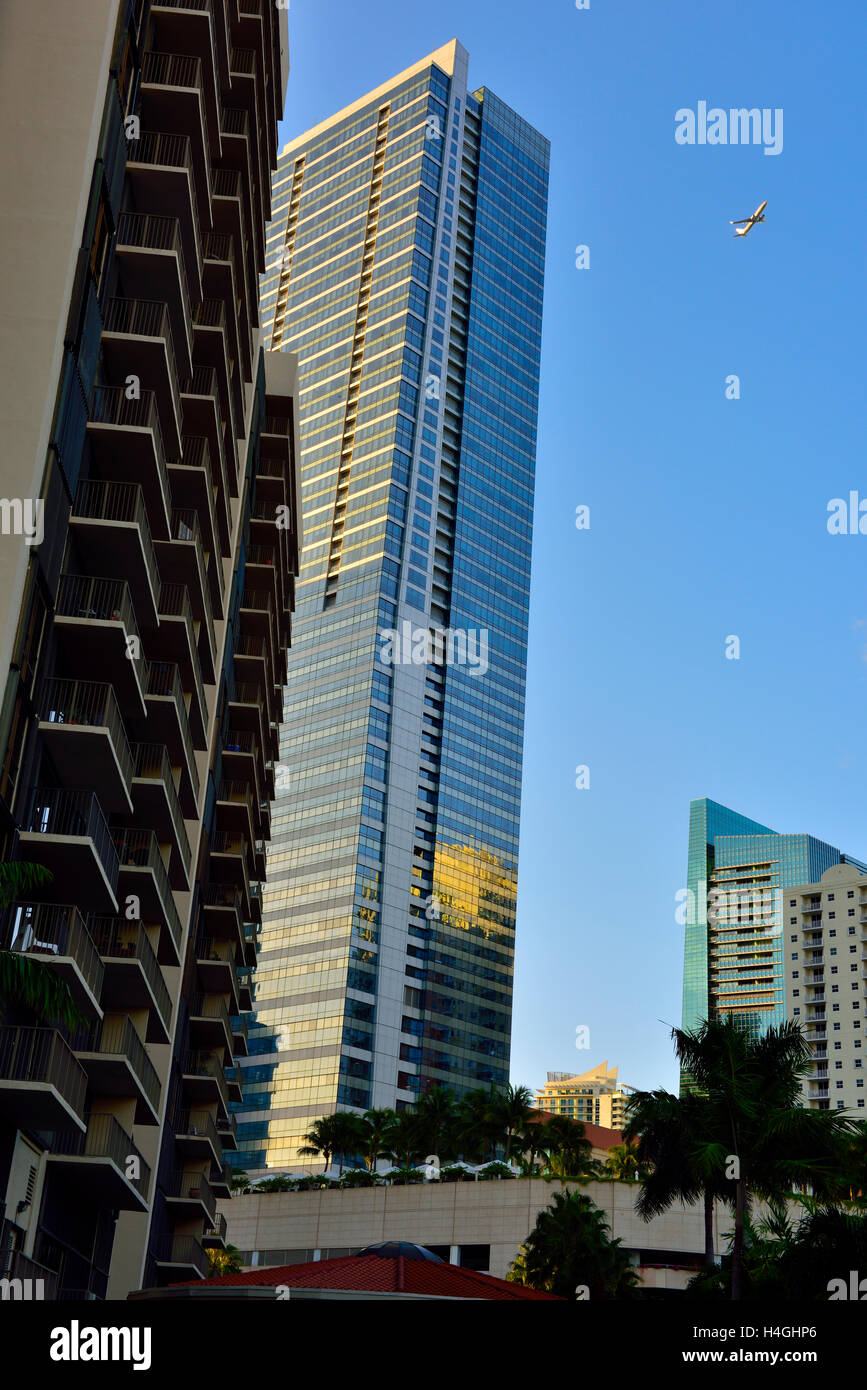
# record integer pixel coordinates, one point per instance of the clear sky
(708, 516)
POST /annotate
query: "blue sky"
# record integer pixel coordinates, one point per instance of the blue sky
(708, 516)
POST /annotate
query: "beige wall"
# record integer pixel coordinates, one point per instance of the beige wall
(499, 1214)
(54, 59)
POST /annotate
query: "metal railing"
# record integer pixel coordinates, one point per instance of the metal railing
(154, 232)
(228, 842)
(217, 1229)
(109, 404)
(221, 895)
(276, 424)
(101, 600)
(172, 70)
(164, 678)
(181, 1250)
(140, 849)
(41, 1055)
(211, 1006)
(252, 646)
(152, 763)
(210, 948)
(240, 741)
(243, 60)
(237, 792)
(101, 501)
(235, 120)
(196, 1187)
(174, 602)
(210, 313)
(106, 1138)
(203, 1064)
(238, 1025)
(78, 814)
(227, 182)
(198, 1124)
(185, 527)
(220, 246)
(116, 1037)
(49, 929)
(91, 704)
(120, 940)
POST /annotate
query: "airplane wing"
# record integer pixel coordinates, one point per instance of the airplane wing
(742, 221)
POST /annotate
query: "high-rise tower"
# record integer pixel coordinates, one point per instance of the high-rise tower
(405, 268)
(734, 914)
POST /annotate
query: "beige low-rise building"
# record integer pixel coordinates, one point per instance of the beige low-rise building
(595, 1097)
(825, 963)
(480, 1225)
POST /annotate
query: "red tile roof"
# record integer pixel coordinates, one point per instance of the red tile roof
(370, 1273)
(599, 1136)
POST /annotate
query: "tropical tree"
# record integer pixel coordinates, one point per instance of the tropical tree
(567, 1152)
(226, 1261)
(769, 1144)
(477, 1128)
(279, 1184)
(670, 1134)
(406, 1137)
(346, 1135)
(240, 1181)
(511, 1113)
(436, 1110)
(320, 1140)
(527, 1146)
(571, 1249)
(374, 1131)
(27, 984)
(622, 1163)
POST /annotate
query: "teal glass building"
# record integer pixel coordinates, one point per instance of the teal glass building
(405, 267)
(738, 871)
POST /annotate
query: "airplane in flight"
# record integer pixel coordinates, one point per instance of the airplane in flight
(747, 223)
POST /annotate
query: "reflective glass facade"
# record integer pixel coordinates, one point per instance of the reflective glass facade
(405, 268)
(738, 870)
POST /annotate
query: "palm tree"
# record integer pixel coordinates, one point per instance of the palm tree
(374, 1133)
(511, 1113)
(406, 1137)
(226, 1261)
(240, 1181)
(569, 1248)
(622, 1163)
(26, 983)
(320, 1140)
(669, 1132)
(436, 1109)
(567, 1152)
(528, 1146)
(347, 1130)
(476, 1127)
(753, 1089)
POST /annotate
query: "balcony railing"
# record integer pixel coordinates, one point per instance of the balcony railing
(164, 679)
(153, 232)
(276, 424)
(101, 600)
(129, 941)
(102, 501)
(90, 704)
(203, 1064)
(211, 1006)
(116, 1037)
(76, 814)
(174, 602)
(152, 763)
(46, 929)
(219, 246)
(221, 895)
(227, 182)
(200, 1124)
(182, 1250)
(195, 1187)
(235, 120)
(217, 1230)
(106, 1138)
(185, 527)
(172, 70)
(238, 792)
(40, 1056)
(210, 313)
(244, 61)
(140, 849)
(109, 404)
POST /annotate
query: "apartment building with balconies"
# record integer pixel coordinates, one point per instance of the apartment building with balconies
(154, 446)
(825, 953)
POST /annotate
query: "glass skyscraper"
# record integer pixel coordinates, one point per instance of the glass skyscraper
(738, 870)
(405, 267)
